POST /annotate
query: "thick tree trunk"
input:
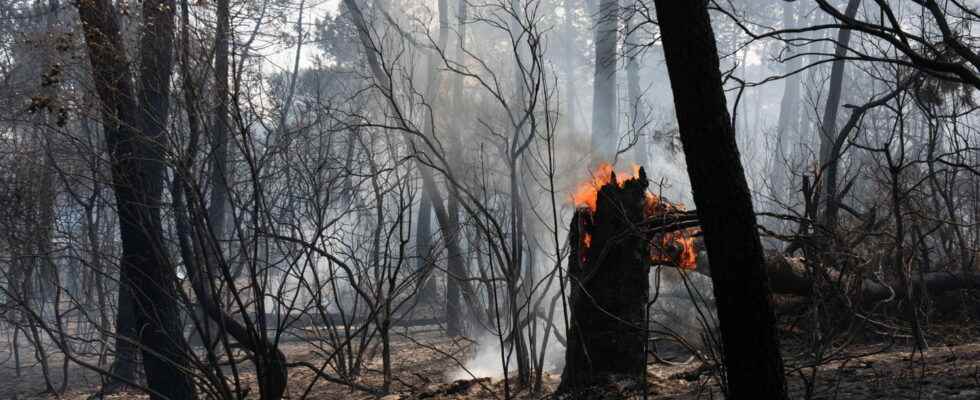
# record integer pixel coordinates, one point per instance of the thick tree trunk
(788, 275)
(752, 358)
(134, 134)
(125, 359)
(607, 270)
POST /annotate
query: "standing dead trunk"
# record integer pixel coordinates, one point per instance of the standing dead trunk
(457, 265)
(134, 136)
(752, 358)
(637, 118)
(787, 130)
(903, 265)
(607, 275)
(829, 156)
(605, 138)
(514, 270)
(219, 139)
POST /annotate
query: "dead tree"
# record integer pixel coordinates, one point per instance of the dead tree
(752, 358)
(134, 130)
(831, 159)
(608, 268)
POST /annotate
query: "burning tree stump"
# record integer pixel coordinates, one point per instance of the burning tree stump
(608, 268)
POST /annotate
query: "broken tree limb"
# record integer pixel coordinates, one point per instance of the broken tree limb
(789, 275)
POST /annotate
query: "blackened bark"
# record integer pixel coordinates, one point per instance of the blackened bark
(270, 362)
(830, 154)
(219, 162)
(790, 276)
(741, 286)
(134, 133)
(609, 290)
(125, 359)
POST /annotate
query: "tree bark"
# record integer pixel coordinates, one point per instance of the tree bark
(270, 362)
(609, 290)
(751, 351)
(829, 155)
(219, 140)
(787, 129)
(788, 275)
(134, 136)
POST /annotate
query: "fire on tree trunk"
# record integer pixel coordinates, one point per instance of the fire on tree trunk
(610, 258)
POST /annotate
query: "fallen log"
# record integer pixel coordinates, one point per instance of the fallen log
(788, 275)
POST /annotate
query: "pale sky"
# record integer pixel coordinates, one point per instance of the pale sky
(280, 57)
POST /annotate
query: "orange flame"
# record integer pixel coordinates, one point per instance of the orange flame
(674, 248)
(587, 192)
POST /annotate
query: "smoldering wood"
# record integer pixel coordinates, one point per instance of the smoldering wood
(789, 275)
(608, 284)
(609, 290)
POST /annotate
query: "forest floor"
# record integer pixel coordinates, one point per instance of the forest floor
(423, 366)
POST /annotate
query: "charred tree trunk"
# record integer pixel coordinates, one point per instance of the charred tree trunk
(751, 346)
(270, 362)
(134, 132)
(608, 268)
(789, 276)
(219, 162)
(830, 154)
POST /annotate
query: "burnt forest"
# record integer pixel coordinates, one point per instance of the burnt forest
(489, 199)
